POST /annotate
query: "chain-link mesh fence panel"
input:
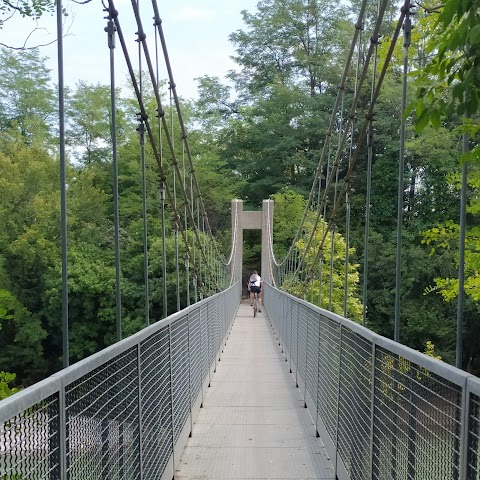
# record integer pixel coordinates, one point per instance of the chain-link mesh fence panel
(281, 322)
(204, 325)
(212, 329)
(302, 326)
(473, 443)
(416, 421)
(30, 443)
(328, 367)
(195, 336)
(354, 429)
(102, 421)
(157, 435)
(288, 328)
(312, 353)
(294, 335)
(180, 375)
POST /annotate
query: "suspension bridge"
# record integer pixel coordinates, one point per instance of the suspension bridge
(212, 393)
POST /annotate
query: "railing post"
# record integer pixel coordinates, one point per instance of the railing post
(281, 339)
(306, 366)
(217, 330)
(298, 331)
(464, 433)
(337, 419)
(203, 373)
(172, 410)
(290, 336)
(318, 378)
(189, 374)
(209, 367)
(373, 474)
(225, 322)
(63, 437)
(140, 412)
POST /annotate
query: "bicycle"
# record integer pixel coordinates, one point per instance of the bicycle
(255, 304)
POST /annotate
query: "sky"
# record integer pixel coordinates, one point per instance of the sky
(196, 34)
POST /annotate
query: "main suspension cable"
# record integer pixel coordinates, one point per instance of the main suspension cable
(369, 116)
(177, 218)
(328, 135)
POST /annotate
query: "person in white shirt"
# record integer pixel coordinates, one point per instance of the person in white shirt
(255, 286)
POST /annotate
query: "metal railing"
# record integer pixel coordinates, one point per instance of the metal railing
(123, 413)
(383, 410)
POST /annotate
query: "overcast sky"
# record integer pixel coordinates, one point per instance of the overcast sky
(196, 34)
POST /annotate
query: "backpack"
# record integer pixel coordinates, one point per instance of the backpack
(252, 280)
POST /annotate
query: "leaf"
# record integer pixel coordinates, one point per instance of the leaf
(419, 107)
(435, 119)
(422, 121)
(448, 12)
(474, 34)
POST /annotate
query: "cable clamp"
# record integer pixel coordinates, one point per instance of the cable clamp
(406, 9)
(157, 21)
(110, 29)
(160, 114)
(407, 31)
(112, 13)
(172, 85)
(141, 116)
(359, 26)
(375, 40)
(141, 36)
(184, 137)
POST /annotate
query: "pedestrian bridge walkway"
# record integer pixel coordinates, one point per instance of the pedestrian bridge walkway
(253, 423)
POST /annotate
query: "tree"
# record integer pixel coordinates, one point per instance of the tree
(27, 102)
(289, 42)
(288, 206)
(89, 118)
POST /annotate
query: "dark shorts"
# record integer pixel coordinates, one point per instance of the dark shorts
(254, 289)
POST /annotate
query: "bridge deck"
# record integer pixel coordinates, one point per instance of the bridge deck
(253, 424)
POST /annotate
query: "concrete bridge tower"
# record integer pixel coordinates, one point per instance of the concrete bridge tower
(247, 220)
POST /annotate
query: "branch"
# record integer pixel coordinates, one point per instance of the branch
(431, 9)
(12, 6)
(24, 47)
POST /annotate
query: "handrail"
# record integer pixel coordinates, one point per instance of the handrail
(128, 408)
(382, 409)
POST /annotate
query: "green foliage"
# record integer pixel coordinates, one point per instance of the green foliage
(288, 212)
(445, 237)
(319, 284)
(5, 380)
(89, 112)
(449, 84)
(27, 8)
(27, 104)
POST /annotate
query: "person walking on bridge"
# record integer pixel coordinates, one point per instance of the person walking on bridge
(255, 286)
